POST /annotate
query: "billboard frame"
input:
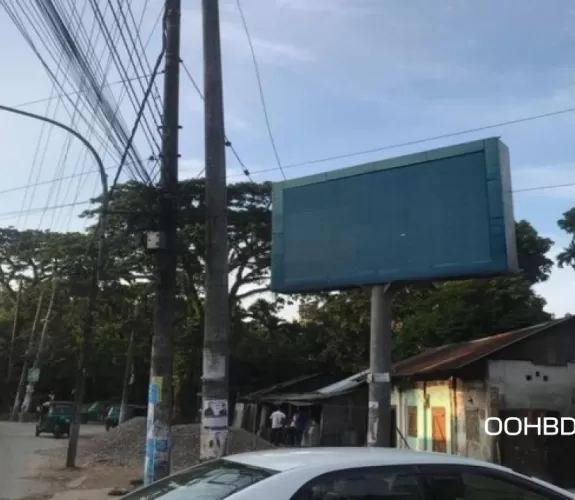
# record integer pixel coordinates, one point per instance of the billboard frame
(499, 200)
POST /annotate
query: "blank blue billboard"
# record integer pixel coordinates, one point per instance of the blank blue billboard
(440, 214)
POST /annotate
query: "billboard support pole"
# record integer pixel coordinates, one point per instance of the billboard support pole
(379, 407)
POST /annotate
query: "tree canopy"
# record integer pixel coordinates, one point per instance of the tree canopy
(566, 257)
(331, 333)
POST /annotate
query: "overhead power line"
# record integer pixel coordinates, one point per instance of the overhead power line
(261, 90)
(378, 149)
(427, 139)
(16, 213)
(229, 144)
(75, 93)
(382, 148)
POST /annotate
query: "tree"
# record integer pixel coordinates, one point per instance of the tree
(433, 314)
(132, 213)
(532, 252)
(567, 224)
(464, 310)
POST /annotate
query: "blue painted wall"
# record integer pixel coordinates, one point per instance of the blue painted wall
(445, 213)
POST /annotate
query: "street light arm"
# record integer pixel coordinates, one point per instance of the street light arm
(81, 138)
(94, 287)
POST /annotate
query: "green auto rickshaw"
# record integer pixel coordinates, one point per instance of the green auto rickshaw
(55, 418)
(113, 417)
(97, 412)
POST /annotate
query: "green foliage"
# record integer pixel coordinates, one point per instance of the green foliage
(432, 315)
(532, 252)
(332, 333)
(567, 224)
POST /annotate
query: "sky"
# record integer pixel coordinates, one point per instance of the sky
(339, 77)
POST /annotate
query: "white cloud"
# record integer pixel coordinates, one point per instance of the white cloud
(234, 40)
(265, 49)
(334, 7)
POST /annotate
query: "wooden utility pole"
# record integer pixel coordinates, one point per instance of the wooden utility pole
(164, 245)
(128, 369)
(215, 391)
(27, 356)
(15, 330)
(39, 353)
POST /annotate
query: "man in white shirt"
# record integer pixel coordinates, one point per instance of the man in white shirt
(277, 419)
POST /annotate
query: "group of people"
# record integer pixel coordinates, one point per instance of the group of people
(294, 434)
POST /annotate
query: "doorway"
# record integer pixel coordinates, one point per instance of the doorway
(439, 440)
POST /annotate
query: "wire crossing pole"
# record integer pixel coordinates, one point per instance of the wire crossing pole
(39, 353)
(27, 357)
(128, 370)
(164, 244)
(379, 411)
(15, 332)
(215, 391)
(88, 328)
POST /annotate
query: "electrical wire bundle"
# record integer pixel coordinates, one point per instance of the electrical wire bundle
(59, 33)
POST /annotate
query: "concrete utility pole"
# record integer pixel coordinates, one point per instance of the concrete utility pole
(39, 352)
(88, 331)
(94, 285)
(128, 370)
(27, 356)
(15, 330)
(215, 390)
(379, 378)
(164, 245)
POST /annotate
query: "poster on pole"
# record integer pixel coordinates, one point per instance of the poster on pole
(214, 366)
(215, 414)
(373, 422)
(212, 443)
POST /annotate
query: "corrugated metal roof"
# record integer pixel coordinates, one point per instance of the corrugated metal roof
(303, 383)
(282, 385)
(345, 385)
(445, 358)
(456, 356)
(442, 359)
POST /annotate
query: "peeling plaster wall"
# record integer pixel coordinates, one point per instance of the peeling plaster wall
(524, 385)
(473, 409)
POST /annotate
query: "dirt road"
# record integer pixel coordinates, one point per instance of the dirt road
(19, 461)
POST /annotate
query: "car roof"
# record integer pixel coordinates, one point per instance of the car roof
(285, 459)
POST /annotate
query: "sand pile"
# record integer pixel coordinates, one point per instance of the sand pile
(124, 446)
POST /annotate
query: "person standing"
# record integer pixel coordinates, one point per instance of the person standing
(300, 423)
(277, 419)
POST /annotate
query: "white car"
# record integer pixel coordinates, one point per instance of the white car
(348, 474)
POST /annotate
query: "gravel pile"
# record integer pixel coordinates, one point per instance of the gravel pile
(124, 446)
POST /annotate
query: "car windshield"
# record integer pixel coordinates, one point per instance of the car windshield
(114, 411)
(215, 480)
